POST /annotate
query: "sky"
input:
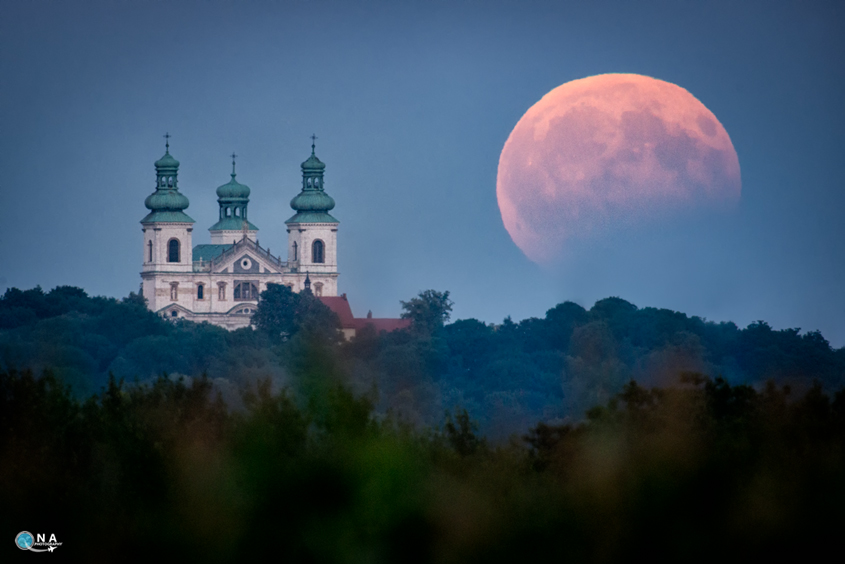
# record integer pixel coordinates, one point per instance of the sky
(412, 103)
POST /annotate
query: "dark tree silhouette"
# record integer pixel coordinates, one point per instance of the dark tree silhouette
(428, 311)
(276, 314)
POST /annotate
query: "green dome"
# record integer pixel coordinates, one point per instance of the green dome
(167, 161)
(166, 203)
(313, 163)
(166, 200)
(312, 204)
(233, 190)
(312, 200)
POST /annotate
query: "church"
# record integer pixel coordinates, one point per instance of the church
(221, 282)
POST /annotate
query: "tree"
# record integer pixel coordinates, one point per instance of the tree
(276, 312)
(561, 320)
(281, 312)
(316, 319)
(460, 432)
(135, 299)
(428, 311)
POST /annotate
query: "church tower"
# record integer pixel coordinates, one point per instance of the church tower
(312, 232)
(167, 234)
(233, 198)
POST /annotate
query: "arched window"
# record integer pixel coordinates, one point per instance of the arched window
(150, 247)
(173, 250)
(317, 252)
(246, 291)
(174, 313)
(200, 292)
(237, 212)
(295, 251)
(318, 289)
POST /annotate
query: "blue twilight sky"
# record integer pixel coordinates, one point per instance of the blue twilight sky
(412, 103)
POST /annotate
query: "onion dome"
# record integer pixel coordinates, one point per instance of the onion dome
(233, 189)
(167, 162)
(166, 200)
(233, 198)
(166, 203)
(312, 201)
(313, 163)
(312, 204)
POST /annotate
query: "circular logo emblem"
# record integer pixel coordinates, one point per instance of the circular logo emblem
(24, 540)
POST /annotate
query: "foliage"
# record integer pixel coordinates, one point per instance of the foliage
(699, 470)
(507, 376)
(428, 311)
(460, 432)
(310, 449)
(281, 313)
(276, 312)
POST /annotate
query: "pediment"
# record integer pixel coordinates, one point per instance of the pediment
(245, 308)
(168, 311)
(243, 262)
(247, 258)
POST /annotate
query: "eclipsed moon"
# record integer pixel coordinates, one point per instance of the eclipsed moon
(610, 150)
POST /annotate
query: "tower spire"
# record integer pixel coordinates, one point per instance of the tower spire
(233, 199)
(166, 204)
(313, 201)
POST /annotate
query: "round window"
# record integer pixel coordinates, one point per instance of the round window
(246, 264)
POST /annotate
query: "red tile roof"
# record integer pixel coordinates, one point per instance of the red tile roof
(340, 305)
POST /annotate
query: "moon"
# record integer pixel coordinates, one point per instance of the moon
(609, 151)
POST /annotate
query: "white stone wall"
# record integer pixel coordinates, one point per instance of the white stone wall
(158, 289)
(226, 237)
(160, 235)
(297, 282)
(305, 234)
(159, 276)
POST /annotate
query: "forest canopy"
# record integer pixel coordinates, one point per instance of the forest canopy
(609, 434)
(508, 376)
(698, 471)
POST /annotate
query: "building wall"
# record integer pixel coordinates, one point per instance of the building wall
(305, 234)
(159, 234)
(227, 236)
(172, 287)
(158, 289)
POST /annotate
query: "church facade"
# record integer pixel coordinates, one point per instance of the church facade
(220, 282)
